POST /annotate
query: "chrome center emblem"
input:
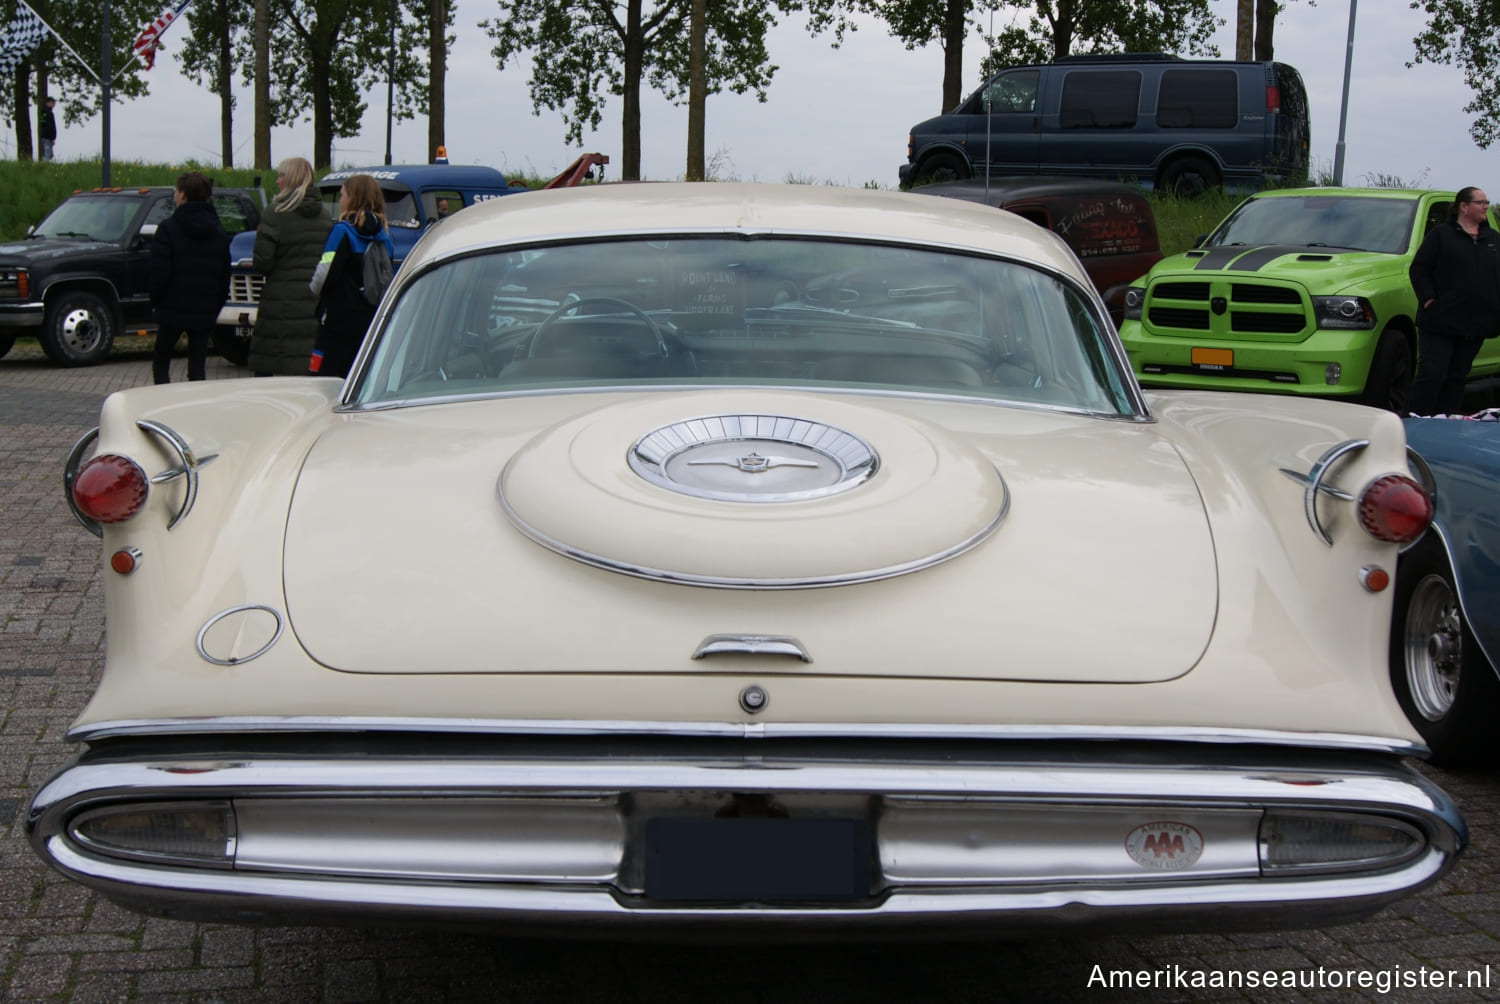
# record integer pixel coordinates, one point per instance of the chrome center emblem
(754, 463)
(753, 458)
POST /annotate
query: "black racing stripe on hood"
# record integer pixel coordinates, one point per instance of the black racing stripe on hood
(1242, 259)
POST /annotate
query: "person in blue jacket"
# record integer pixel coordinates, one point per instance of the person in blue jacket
(344, 313)
(187, 276)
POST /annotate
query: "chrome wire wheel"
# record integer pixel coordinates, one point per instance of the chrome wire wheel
(1434, 647)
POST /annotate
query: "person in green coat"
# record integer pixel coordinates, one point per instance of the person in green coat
(288, 244)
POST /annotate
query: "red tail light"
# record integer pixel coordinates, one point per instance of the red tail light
(1273, 99)
(110, 488)
(1395, 509)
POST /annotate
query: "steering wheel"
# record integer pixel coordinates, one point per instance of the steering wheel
(660, 341)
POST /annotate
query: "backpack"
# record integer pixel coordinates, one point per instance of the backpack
(378, 272)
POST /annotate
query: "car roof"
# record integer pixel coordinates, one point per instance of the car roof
(1011, 189)
(745, 209)
(1379, 193)
(422, 175)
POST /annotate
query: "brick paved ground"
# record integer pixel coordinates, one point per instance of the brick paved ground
(61, 943)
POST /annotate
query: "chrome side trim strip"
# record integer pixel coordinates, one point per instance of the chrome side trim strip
(238, 724)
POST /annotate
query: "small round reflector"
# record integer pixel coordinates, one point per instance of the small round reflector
(1395, 509)
(1374, 578)
(110, 488)
(124, 560)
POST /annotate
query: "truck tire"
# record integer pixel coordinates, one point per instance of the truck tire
(232, 347)
(1188, 177)
(6, 341)
(78, 330)
(1391, 371)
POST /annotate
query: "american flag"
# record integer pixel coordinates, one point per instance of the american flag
(150, 37)
(23, 34)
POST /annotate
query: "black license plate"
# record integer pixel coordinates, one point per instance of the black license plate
(760, 860)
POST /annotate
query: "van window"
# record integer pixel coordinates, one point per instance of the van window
(1199, 99)
(1012, 92)
(1100, 99)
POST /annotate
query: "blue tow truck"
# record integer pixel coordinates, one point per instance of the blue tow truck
(416, 197)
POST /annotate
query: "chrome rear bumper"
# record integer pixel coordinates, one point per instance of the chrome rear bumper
(969, 837)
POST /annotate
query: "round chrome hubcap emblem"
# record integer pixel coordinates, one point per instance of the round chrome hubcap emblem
(753, 458)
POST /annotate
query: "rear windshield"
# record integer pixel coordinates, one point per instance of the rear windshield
(1349, 222)
(726, 311)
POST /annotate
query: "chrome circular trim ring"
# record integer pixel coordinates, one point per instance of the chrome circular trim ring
(70, 474)
(208, 624)
(853, 459)
(734, 582)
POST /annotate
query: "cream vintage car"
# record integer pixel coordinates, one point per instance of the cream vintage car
(744, 557)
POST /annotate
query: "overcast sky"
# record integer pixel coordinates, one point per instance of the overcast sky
(833, 115)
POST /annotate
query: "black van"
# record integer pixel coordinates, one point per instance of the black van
(1179, 124)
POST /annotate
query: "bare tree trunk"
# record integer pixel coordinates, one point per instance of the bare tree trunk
(262, 85)
(21, 100)
(697, 88)
(953, 53)
(322, 111)
(1244, 29)
(437, 72)
(630, 125)
(1265, 28)
(1062, 29)
(224, 84)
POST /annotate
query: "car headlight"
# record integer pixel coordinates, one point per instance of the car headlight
(1135, 301)
(1350, 312)
(15, 282)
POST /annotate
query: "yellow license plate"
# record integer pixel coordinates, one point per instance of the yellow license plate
(1213, 357)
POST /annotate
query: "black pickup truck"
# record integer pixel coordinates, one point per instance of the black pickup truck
(78, 279)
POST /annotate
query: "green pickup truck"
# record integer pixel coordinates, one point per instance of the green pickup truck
(1298, 291)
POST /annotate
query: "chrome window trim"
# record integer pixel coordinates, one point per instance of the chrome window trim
(240, 724)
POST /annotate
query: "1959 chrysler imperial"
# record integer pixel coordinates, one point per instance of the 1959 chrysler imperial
(723, 557)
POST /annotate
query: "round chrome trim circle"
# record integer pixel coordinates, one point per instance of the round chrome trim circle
(753, 458)
(245, 608)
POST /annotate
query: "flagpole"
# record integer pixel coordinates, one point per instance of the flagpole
(104, 83)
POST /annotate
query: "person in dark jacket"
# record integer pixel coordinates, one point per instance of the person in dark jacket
(288, 244)
(46, 128)
(1456, 276)
(343, 312)
(188, 276)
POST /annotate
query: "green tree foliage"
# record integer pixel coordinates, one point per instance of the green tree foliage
(219, 28)
(1466, 33)
(325, 54)
(58, 73)
(583, 50)
(1055, 28)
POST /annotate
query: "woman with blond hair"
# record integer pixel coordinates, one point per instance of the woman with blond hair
(344, 311)
(287, 246)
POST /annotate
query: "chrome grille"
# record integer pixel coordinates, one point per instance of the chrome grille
(245, 287)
